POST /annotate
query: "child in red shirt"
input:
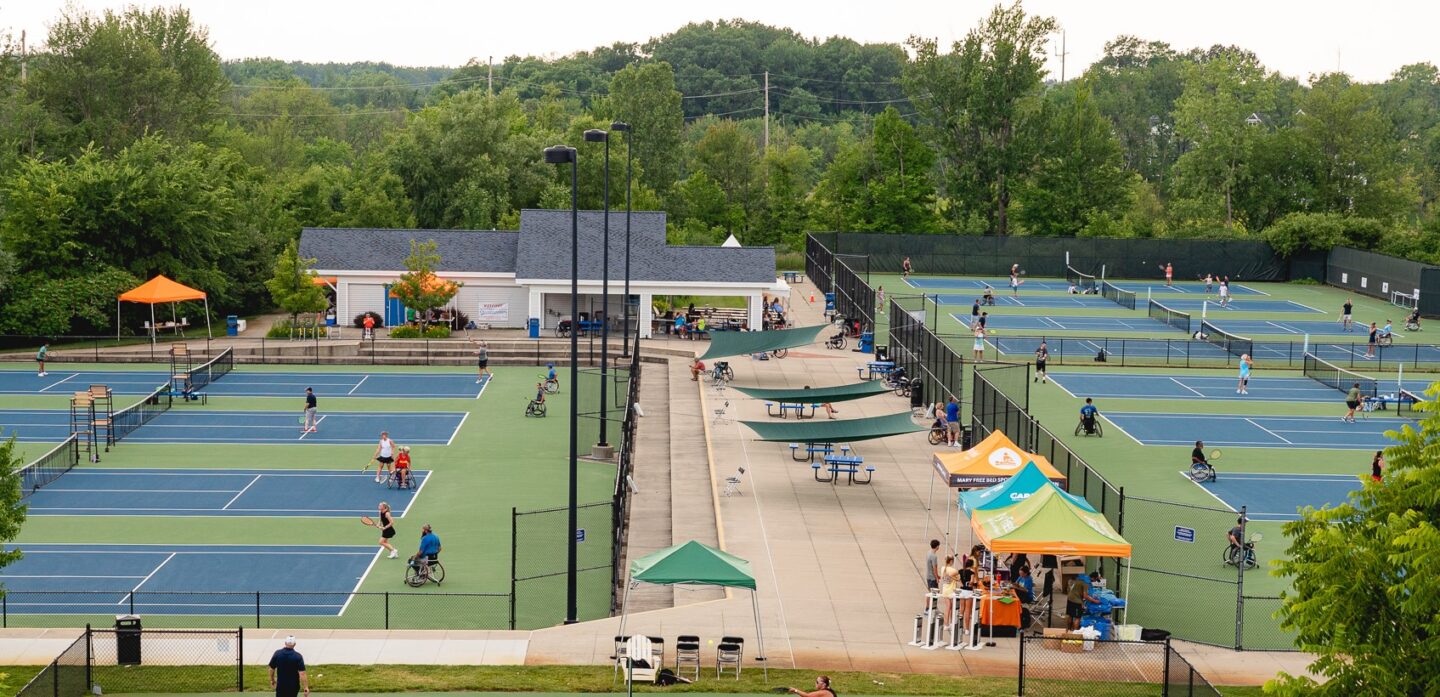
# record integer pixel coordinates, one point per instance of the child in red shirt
(402, 466)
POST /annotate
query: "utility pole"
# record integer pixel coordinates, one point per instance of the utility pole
(1062, 55)
(22, 56)
(490, 76)
(767, 113)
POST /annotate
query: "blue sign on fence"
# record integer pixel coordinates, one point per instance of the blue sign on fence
(580, 534)
(1184, 534)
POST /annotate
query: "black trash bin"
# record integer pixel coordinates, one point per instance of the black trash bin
(965, 437)
(917, 394)
(882, 353)
(127, 640)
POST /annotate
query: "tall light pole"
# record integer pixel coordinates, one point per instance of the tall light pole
(623, 127)
(559, 155)
(596, 135)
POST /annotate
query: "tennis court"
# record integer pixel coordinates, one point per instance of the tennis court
(1207, 387)
(1079, 323)
(1100, 302)
(99, 579)
(1002, 283)
(209, 492)
(254, 383)
(1238, 430)
(242, 427)
(1278, 497)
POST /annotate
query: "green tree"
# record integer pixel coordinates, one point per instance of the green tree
(730, 157)
(419, 288)
(1362, 598)
(83, 303)
(12, 508)
(1135, 85)
(293, 286)
(972, 102)
(1214, 113)
(787, 180)
(118, 76)
(1078, 176)
(644, 95)
(1357, 163)
(1321, 232)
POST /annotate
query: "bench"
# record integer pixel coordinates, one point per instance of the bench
(851, 466)
(799, 409)
(810, 450)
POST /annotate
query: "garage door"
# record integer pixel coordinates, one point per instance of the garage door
(364, 297)
(498, 306)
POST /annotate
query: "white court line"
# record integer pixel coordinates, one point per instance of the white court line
(1122, 430)
(148, 491)
(1055, 380)
(181, 472)
(1252, 290)
(1186, 475)
(1055, 324)
(307, 432)
(148, 576)
(1292, 302)
(357, 385)
(456, 432)
(72, 375)
(360, 580)
(240, 493)
(1283, 478)
(483, 385)
(1197, 392)
(414, 497)
(1281, 327)
(10, 576)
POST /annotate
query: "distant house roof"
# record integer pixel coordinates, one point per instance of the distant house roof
(381, 249)
(541, 250)
(545, 251)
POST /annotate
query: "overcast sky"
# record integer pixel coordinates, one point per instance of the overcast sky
(1368, 39)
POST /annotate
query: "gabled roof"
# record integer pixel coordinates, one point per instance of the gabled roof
(545, 251)
(383, 249)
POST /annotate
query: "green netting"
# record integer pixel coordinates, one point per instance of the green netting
(839, 431)
(724, 344)
(818, 395)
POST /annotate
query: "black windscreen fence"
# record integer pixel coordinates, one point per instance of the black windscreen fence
(1391, 279)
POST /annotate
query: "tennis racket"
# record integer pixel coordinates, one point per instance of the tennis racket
(367, 465)
(1214, 454)
(367, 520)
(302, 420)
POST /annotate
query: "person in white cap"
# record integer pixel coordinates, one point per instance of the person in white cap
(287, 671)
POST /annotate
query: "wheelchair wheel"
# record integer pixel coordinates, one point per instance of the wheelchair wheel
(536, 409)
(728, 373)
(937, 436)
(552, 386)
(413, 578)
(1201, 475)
(780, 353)
(437, 572)
(1385, 341)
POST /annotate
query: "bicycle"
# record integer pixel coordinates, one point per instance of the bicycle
(422, 571)
(1242, 557)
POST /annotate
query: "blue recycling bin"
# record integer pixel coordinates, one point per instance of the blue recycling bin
(867, 342)
(534, 327)
(232, 325)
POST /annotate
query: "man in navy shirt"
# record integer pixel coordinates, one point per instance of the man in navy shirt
(310, 404)
(952, 422)
(287, 671)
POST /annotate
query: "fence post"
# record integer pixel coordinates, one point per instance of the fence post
(1021, 688)
(1240, 585)
(514, 518)
(387, 609)
(257, 609)
(1165, 681)
(132, 602)
(89, 660)
(4, 611)
(240, 658)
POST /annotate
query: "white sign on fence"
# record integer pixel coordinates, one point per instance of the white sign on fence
(493, 313)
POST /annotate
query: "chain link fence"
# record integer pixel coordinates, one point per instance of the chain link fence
(135, 660)
(1054, 666)
(1188, 353)
(68, 675)
(932, 365)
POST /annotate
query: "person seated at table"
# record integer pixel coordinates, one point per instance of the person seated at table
(1015, 561)
(696, 368)
(680, 325)
(831, 411)
(1025, 585)
(700, 326)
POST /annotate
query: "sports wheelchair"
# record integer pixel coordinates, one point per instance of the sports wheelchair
(535, 408)
(1089, 427)
(419, 572)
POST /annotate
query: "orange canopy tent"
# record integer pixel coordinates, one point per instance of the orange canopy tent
(161, 290)
(990, 462)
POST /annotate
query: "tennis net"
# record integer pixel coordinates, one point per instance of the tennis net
(1333, 376)
(1174, 318)
(1405, 401)
(1235, 344)
(61, 459)
(136, 415)
(1117, 295)
(218, 367)
(1082, 281)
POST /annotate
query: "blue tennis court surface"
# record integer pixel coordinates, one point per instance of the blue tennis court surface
(242, 383)
(1177, 350)
(1236, 430)
(1208, 387)
(179, 425)
(1080, 323)
(74, 579)
(202, 492)
(1002, 283)
(1097, 302)
(1279, 496)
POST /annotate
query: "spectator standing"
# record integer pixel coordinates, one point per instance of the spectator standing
(287, 671)
(1377, 465)
(952, 422)
(1347, 323)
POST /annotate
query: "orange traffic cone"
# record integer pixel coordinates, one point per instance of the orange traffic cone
(812, 297)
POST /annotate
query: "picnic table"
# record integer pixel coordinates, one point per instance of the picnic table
(797, 407)
(852, 466)
(875, 369)
(793, 276)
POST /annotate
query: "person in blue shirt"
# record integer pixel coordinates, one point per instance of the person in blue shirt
(1246, 363)
(1088, 411)
(952, 422)
(1025, 585)
(429, 545)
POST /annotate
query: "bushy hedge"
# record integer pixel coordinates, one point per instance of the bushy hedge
(434, 331)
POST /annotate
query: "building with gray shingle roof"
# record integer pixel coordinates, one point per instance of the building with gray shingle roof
(509, 277)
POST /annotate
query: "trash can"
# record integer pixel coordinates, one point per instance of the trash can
(127, 640)
(867, 342)
(917, 394)
(232, 325)
(882, 353)
(829, 302)
(534, 327)
(966, 434)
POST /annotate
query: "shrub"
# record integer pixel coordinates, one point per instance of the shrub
(410, 331)
(462, 320)
(360, 320)
(282, 329)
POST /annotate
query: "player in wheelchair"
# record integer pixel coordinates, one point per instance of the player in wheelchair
(424, 566)
(1412, 323)
(1089, 420)
(536, 407)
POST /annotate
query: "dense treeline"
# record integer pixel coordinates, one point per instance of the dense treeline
(127, 148)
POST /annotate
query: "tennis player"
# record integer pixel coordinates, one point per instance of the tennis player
(387, 529)
(402, 466)
(40, 358)
(1377, 465)
(1197, 456)
(1374, 339)
(1352, 400)
(1246, 363)
(980, 341)
(1042, 355)
(311, 425)
(880, 298)
(1014, 279)
(1347, 324)
(906, 268)
(1169, 275)
(1209, 282)
(1225, 291)
(385, 455)
(482, 359)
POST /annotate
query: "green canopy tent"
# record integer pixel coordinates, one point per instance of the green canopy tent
(820, 395)
(1014, 490)
(724, 344)
(695, 564)
(843, 430)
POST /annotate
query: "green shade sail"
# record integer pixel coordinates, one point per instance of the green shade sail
(836, 431)
(729, 343)
(692, 564)
(818, 395)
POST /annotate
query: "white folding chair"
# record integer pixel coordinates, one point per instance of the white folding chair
(732, 483)
(721, 417)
